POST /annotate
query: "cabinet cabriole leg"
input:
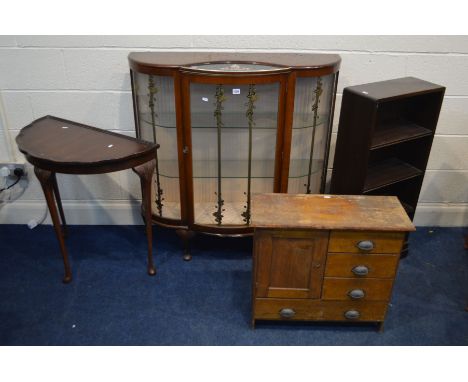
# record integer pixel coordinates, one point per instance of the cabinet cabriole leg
(186, 236)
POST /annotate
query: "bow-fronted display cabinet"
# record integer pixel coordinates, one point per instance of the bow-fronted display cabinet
(230, 125)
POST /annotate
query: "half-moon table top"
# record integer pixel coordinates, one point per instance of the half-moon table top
(64, 146)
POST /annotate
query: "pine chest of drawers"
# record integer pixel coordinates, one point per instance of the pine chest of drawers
(325, 257)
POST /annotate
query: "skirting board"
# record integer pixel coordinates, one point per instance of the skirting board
(123, 212)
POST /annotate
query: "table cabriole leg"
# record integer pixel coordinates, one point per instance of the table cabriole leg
(46, 178)
(145, 172)
(58, 199)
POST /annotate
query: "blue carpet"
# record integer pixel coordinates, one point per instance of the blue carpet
(112, 301)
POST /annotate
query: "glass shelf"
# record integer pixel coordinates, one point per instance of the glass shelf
(238, 168)
(232, 122)
(232, 214)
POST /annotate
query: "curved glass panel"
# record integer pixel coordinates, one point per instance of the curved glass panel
(157, 121)
(233, 149)
(312, 103)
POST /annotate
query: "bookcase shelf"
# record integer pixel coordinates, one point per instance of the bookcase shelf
(397, 132)
(387, 172)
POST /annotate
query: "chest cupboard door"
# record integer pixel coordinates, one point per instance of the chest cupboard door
(290, 264)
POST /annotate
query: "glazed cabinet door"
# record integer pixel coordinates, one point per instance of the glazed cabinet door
(234, 125)
(155, 118)
(289, 264)
(309, 127)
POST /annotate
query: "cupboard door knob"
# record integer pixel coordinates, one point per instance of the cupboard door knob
(287, 313)
(356, 294)
(365, 245)
(360, 270)
(185, 150)
(352, 314)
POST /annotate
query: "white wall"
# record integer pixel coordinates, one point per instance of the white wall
(85, 78)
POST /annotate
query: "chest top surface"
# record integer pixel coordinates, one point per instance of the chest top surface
(331, 212)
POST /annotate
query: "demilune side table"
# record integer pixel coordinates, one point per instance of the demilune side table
(55, 145)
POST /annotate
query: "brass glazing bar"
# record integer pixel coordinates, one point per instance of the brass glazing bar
(252, 97)
(318, 92)
(152, 90)
(329, 133)
(220, 98)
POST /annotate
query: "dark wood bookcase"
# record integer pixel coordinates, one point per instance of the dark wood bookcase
(384, 139)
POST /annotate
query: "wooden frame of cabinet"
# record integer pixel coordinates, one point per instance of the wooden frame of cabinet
(190, 72)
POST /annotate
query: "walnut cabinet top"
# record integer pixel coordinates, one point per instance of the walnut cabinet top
(234, 63)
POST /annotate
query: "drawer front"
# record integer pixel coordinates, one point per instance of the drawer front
(316, 310)
(352, 289)
(361, 266)
(366, 242)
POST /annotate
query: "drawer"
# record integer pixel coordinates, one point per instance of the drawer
(365, 242)
(361, 266)
(352, 289)
(316, 310)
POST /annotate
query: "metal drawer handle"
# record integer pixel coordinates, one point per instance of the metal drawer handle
(287, 313)
(360, 270)
(352, 314)
(365, 245)
(356, 294)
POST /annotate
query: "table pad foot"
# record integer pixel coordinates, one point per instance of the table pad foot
(67, 279)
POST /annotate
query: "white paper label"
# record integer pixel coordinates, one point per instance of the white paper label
(235, 91)
(205, 99)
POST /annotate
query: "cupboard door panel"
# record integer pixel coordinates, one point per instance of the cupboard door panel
(290, 264)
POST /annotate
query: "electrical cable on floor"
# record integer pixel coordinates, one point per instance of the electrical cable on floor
(33, 222)
(18, 178)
